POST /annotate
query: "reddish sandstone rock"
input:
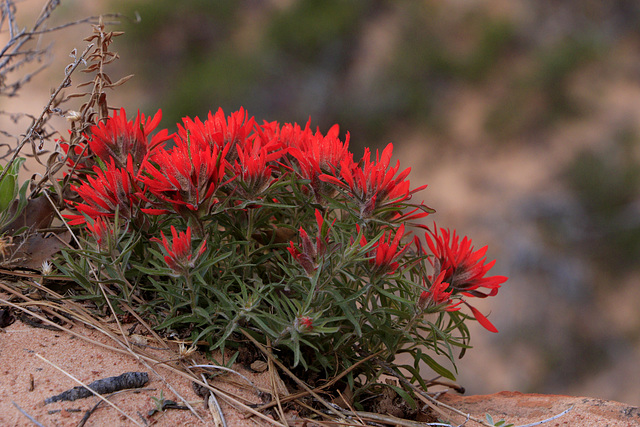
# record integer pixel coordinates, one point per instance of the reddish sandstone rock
(521, 409)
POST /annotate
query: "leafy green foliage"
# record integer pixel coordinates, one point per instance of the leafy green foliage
(13, 197)
(272, 233)
(500, 423)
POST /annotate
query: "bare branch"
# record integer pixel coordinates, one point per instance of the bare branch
(37, 125)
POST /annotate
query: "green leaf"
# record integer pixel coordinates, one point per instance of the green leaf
(437, 368)
(202, 313)
(7, 191)
(184, 318)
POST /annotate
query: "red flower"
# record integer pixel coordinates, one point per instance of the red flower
(304, 324)
(254, 164)
(437, 295)
(385, 252)
(310, 254)
(464, 268)
(100, 229)
(118, 138)
(373, 186)
(109, 191)
(187, 176)
(180, 255)
(317, 154)
(217, 130)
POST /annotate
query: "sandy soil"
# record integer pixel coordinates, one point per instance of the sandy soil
(28, 376)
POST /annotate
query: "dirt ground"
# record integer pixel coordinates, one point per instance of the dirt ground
(34, 360)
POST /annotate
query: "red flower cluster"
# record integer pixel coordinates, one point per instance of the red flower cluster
(217, 130)
(187, 176)
(373, 186)
(101, 230)
(234, 158)
(462, 269)
(116, 139)
(211, 154)
(110, 191)
(317, 154)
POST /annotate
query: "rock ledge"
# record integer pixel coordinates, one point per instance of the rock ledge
(521, 409)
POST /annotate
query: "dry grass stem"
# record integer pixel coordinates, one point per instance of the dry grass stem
(224, 368)
(292, 376)
(23, 412)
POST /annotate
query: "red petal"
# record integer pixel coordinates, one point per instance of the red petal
(482, 319)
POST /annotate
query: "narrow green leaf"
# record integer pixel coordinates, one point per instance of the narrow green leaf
(437, 368)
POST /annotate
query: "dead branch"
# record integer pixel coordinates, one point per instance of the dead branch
(102, 386)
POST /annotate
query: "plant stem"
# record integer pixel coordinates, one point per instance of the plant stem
(192, 293)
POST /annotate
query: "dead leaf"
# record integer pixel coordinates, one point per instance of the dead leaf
(215, 413)
(37, 214)
(38, 249)
(259, 366)
(138, 339)
(279, 385)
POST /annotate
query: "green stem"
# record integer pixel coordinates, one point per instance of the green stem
(192, 293)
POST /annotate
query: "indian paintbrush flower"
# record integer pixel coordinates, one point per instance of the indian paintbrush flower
(373, 186)
(437, 295)
(317, 154)
(187, 176)
(463, 268)
(110, 191)
(304, 324)
(117, 138)
(180, 255)
(311, 253)
(385, 251)
(101, 230)
(253, 165)
(218, 130)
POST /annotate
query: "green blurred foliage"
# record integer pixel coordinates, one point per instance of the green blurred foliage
(540, 96)
(309, 28)
(188, 62)
(13, 195)
(607, 184)
(427, 66)
(288, 62)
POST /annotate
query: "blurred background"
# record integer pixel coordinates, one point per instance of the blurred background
(522, 116)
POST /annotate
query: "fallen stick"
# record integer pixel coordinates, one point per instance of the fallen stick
(87, 414)
(103, 386)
